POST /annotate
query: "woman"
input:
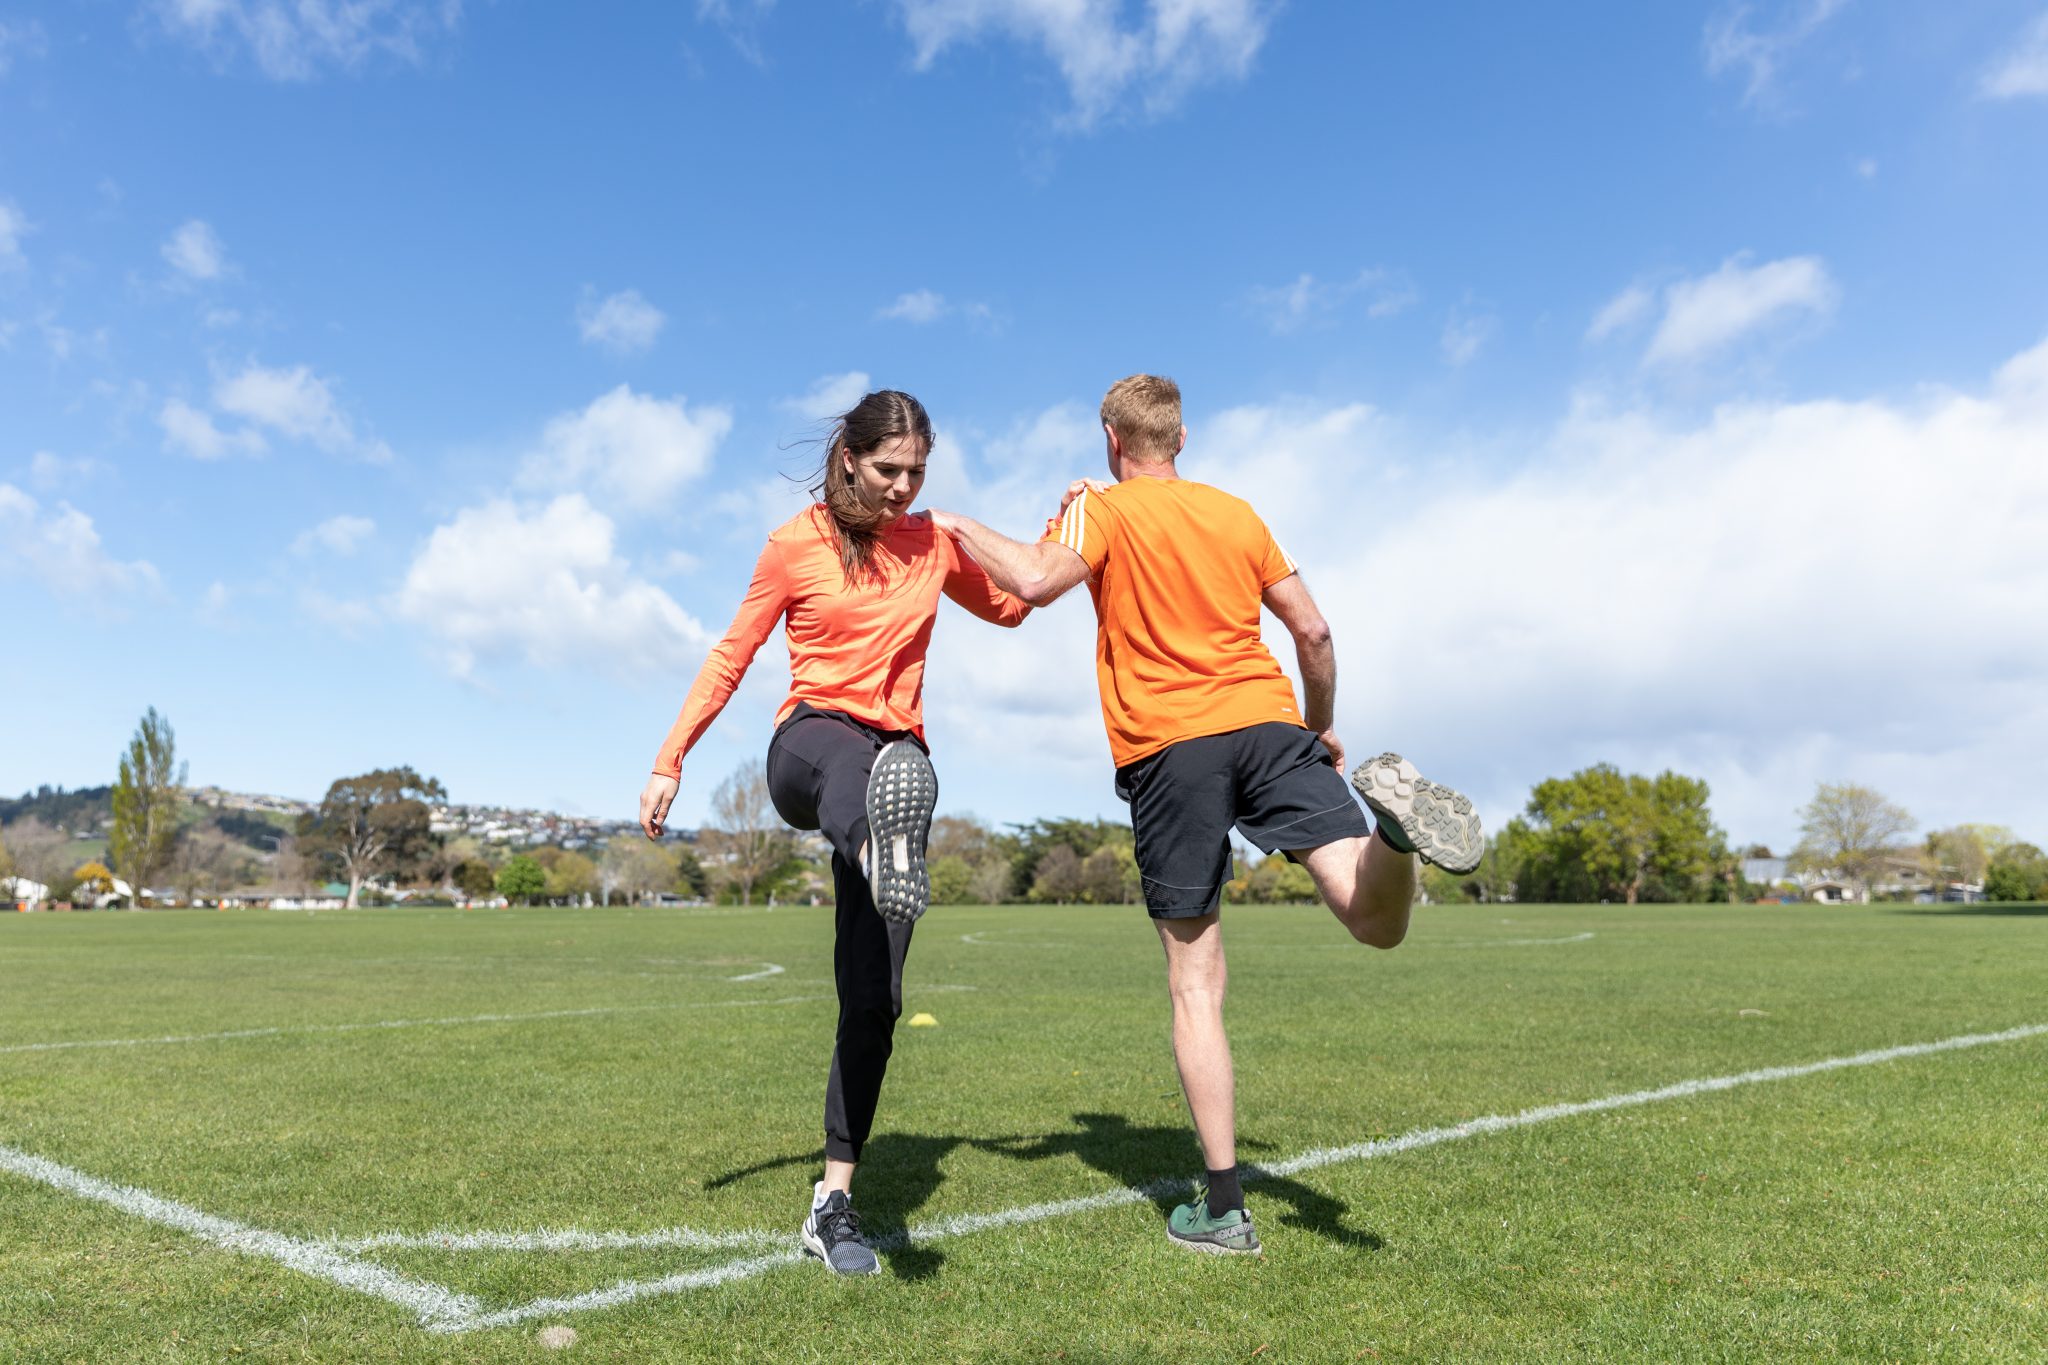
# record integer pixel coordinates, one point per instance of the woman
(858, 580)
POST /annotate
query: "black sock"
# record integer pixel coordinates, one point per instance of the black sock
(1391, 832)
(1224, 1192)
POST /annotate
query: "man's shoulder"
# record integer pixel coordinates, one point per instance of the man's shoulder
(1205, 499)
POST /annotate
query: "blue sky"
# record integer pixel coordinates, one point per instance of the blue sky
(414, 382)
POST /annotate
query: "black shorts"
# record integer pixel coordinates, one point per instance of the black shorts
(1276, 783)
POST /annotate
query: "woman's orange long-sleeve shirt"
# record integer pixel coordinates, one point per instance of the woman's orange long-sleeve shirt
(856, 648)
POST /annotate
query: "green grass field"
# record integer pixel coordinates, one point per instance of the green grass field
(644, 1072)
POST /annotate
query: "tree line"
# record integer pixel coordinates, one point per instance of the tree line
(1598, 835)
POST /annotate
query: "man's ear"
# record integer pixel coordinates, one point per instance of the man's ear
(1183, 442)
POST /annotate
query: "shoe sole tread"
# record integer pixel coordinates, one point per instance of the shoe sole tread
(1436, 819)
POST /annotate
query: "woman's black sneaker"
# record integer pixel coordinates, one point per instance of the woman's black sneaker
(831, 1233)
(902, 792)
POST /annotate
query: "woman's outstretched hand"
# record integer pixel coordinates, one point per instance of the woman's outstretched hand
(655, 799)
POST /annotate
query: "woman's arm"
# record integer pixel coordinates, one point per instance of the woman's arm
(1037, 573)
(766, 600)
(969, 584)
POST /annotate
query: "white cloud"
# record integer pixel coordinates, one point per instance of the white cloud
(738, 20)
(296, 404)
(192, 431)
(215, 606)
(1465, 334)
(832, 395)
(61, 548)
(1733, 45)
(1713, 595)
(919, 306)
(1289, 307)
(14, 226)
(26, 39)
(351, 619)
(636, 450)
(195, 252)
(2022, 71)
(340, 536)
(545, 586)
(676, 564)
(1866, 168)
(64, 342)
(293, 40)
(1179, 45)
(1624, 310)
(623, 322)
(49, 471)
(1706, 314)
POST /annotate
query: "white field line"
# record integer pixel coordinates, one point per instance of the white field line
(767, 970)
(562, 1239)
(452, 1021)
(432, 1304)
(980, 940)
(626, 1291)
(1505, 942)
(417, 1023)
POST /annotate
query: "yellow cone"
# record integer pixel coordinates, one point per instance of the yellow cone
(923, 1021)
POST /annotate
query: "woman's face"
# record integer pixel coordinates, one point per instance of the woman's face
(889, 476)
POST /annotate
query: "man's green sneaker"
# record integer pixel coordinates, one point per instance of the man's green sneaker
(1191, 1226)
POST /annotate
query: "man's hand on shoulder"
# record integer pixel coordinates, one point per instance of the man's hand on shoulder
(944, 521)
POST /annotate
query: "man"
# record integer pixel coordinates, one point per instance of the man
(1206, 734)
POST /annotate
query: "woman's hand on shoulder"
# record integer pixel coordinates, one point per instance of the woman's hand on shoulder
(655, 799)
(1080, 486)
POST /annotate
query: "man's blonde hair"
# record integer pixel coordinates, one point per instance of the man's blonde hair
(1144, 412)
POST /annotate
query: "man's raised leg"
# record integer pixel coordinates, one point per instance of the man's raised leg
(1368, 884)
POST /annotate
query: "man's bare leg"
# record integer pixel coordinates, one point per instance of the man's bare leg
(1195, 979)
(1368, 885)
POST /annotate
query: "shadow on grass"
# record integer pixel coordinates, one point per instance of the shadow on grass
(899, 1173)
(1134, 1154)
(1992, 909)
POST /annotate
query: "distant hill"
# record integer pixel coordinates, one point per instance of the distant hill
(87, 809)
(90, 810)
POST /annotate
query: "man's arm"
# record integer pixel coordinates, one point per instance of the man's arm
(1289, 600)
(1037, 573)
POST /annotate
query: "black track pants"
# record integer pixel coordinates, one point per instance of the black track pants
(818, 769)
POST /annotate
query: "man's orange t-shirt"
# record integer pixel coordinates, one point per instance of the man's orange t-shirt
(857, 648)
(1178, 570)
